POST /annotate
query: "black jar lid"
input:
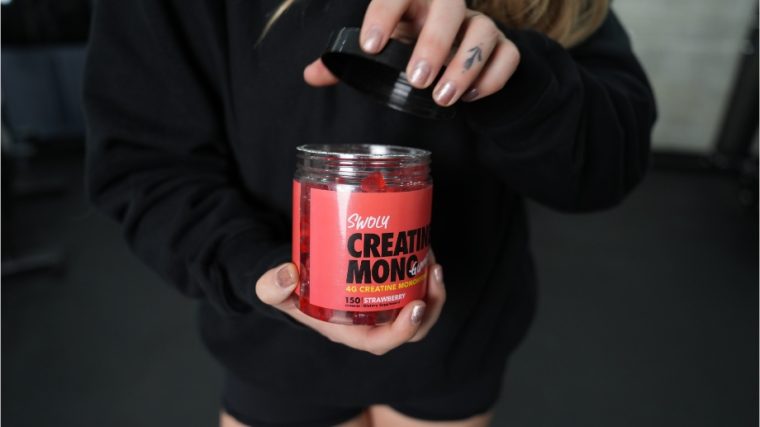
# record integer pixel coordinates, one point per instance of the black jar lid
(381, 76)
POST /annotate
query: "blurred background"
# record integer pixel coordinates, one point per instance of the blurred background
(663, 333)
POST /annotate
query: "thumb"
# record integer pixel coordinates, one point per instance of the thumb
(316, 74)
(276, 285)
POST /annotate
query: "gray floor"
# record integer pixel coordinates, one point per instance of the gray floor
(648, 317)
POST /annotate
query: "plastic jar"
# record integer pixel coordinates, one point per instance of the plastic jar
(361, 230)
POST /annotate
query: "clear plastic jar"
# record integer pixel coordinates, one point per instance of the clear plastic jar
(361, 230)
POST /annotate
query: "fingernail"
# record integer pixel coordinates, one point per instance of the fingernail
(420, 73)
(373, 40)
(438, 273)
(470, 94)
(444, 94)
(285, 277)
(417, 312)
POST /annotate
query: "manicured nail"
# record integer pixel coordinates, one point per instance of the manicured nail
(285, 277)
(372, 41)
(438, 273)
(470, 94)
(420, 73)
(417, 312)
(444, 94)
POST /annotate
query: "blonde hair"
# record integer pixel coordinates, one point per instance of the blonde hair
(568, 22)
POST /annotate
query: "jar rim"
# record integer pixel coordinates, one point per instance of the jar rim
(363, 151)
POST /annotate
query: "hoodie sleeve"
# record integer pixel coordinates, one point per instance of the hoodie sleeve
(571, 128)
(158, 160)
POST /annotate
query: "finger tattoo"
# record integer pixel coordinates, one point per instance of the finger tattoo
(475, 54)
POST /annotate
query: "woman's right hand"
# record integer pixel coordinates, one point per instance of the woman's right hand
(414, 321)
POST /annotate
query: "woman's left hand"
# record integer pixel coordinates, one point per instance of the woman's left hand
(479, 59)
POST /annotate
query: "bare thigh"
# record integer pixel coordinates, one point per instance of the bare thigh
(385, 416)
(362, 420)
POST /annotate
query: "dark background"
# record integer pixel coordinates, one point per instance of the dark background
(648, 313)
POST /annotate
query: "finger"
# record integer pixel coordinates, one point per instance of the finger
(431, 257)
(380, 19)
(406, 32)
(435, 299)
(497, 71)
(316, 74)
(276, 285)
(382, 339)
(480, 37)
(433, 47)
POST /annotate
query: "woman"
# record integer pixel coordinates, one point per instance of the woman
(194, 111)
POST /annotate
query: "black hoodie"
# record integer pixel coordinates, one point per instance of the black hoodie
(191, 147)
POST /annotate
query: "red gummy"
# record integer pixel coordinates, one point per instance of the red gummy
(374, 183)
(362, 318)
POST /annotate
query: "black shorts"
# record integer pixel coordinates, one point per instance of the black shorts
(259, 408)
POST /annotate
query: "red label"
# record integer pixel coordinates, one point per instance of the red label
(368, 251)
